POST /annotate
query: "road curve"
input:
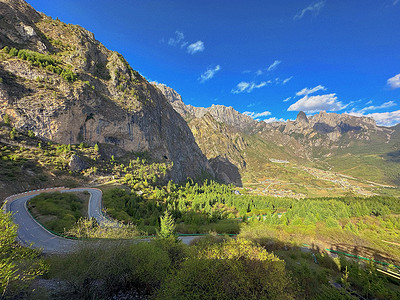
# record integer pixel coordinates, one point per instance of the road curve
(30, 232)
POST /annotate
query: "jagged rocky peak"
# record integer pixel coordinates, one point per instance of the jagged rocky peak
(168, 92)
(224, 114)
(85, 92)
(334, 119)
(302, 118)
(231, 117)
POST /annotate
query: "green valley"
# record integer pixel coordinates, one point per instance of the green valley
(113, 187)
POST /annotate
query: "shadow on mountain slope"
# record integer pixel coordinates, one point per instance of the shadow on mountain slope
(226, 171)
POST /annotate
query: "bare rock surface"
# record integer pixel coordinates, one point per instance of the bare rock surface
(108, 103)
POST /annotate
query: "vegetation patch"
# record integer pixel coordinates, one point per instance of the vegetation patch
(44, 61)
(18, 265)
(59, 211)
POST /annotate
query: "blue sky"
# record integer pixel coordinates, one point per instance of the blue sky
(269, 59)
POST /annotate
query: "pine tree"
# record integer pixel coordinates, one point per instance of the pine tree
(167, 226)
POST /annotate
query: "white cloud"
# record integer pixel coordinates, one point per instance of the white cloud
(209, 73)
(382, 119)
(179, 40)
(273, 119)
(372, 107)
(255, 115)
(195, 47)
(179, 37)
(287, 80)
(274, 65)
(395, 2)
(394, 82)
(259, 72)
(307, 91)
(287, 99)
(312, 104)
(248, 87)
(312, 8)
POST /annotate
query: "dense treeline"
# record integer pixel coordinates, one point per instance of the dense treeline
(44, 61)
(212, 202)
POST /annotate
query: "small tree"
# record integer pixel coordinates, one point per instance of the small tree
(31, 134)
(13, 133)
(167, 226)
(6, 119)
(96, 148)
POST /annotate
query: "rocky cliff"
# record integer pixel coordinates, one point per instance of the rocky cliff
(221, 113)
(60, 82)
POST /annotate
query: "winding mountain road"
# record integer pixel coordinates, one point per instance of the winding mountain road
(30, 232)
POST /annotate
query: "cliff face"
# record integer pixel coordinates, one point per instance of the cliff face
(220, 113)
(215, 131)
(69, 89)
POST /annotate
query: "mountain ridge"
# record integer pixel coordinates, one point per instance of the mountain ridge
(65, 86)
(307, 140)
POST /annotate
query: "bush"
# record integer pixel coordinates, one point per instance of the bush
(88, 228)
(13, 52)
(18, 265)
(6, 119)
(13, 134)
(101, 269)
(31, 134)
(236, 269)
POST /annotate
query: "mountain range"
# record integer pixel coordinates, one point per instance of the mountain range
(63, 85)
(239, 147)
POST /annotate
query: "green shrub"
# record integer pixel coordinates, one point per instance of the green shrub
(101, 269)
(6, 119)
(31, 134)
(69, 75)
(235, 269)
(13, 52)
(18, 265)
(13, 133)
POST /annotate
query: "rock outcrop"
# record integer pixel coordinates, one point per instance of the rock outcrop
(301, 118)
(76, 164)
(79, 91)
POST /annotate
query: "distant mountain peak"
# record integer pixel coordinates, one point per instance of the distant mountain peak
(301, 118)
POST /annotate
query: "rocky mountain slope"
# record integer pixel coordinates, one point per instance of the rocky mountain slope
(61, 83)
